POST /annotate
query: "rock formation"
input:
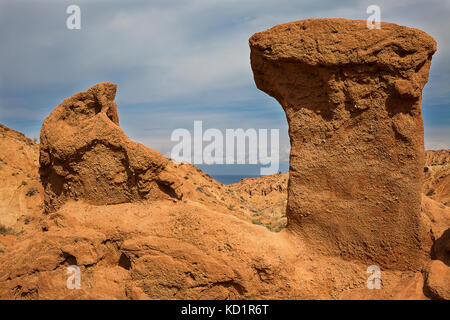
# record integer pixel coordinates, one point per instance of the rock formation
(197, 248)
(21, 192)
(352, 98)
(178, 250)
(437, 280)
(437, 175)
(265, 196)
(437, 157)
(85, 155)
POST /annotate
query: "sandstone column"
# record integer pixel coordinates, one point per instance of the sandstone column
(352, 98)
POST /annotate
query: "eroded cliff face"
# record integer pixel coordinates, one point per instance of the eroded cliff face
(436, 184)
(84, 155)
(352, 98)
(21, 193)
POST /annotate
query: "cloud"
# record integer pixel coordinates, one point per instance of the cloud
(176, 61)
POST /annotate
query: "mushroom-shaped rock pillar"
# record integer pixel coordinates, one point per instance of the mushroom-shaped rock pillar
(352, 98)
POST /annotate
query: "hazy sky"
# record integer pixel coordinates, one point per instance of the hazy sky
(180, 61)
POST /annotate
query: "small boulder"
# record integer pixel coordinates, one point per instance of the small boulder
(437, 280)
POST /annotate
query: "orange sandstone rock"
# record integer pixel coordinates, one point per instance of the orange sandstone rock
(21, 192)
(352, 98)
(437, 175)
(85, 155)
(437, 280)
(437, 157)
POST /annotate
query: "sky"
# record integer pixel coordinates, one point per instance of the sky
(179, 61)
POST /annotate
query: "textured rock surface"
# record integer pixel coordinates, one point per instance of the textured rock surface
(184, 250)
(352, 98)
(437, 280)
(178, 250)
(437, 157)
(85, 155)
(437, 217)
(189, 249)
(437, 175)
(21, 193)
(266, 198)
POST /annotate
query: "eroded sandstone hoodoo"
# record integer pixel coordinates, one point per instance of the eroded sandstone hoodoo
(85, 155)
(352, 98)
